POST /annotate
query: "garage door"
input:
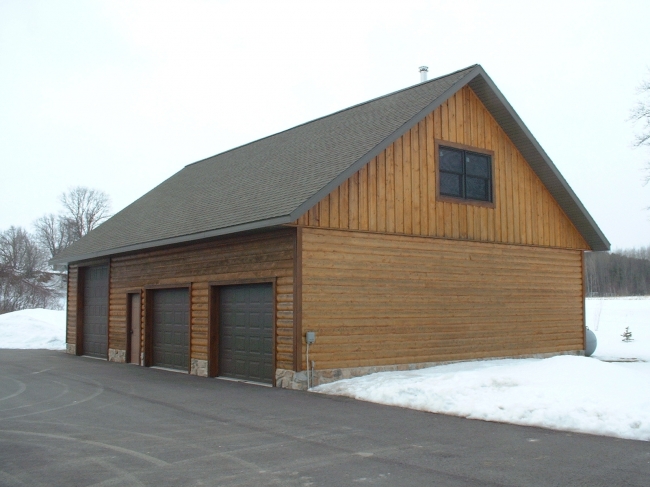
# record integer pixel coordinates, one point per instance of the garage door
(246, 332)
(171, 329)
(95, 311)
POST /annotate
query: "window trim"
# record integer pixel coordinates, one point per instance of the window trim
(454, 199)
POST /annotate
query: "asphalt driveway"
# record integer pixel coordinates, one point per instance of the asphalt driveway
(76, 421)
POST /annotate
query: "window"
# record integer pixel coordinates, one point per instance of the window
(465, 174)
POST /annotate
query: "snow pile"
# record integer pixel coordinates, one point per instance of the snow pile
(608, 318)
(33, 328)
(567, 393)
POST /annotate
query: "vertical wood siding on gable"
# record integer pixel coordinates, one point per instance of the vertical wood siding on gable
(396, 191)
(392, 299)
(233, 259)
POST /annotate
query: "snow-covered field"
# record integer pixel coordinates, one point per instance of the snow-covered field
(608, 317)
(33, 328)
(607, 394)
(569, 393)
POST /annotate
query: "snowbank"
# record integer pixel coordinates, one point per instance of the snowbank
(568, 393)
(33, 328)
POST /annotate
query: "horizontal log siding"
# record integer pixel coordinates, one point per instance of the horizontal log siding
(71, 317)
(228, 259)
(388, 299)
(396, 191)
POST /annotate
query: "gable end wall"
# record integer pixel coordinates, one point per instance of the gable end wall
(395, 193)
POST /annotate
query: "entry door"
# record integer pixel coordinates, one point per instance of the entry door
(246, 332)
(135, 327)
(171, 328)
(95, 311)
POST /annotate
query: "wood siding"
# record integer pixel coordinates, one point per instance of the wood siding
(71, 317)
(234, 259)
(389, 299)
(395, 193)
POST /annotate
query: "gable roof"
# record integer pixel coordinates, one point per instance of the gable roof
(276, 179)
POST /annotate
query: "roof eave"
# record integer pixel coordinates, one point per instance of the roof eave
(245, 227)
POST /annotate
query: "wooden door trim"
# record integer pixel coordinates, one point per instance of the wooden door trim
(129, 324)
(297, 302)
(241, 282)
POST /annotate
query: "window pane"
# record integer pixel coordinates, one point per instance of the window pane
(451, 160)
(450, 184)
(477, 189)
(477, 165)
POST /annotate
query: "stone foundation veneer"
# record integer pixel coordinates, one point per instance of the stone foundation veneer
(71, 348)
(289, 379)
(115, 355)
(199, 367)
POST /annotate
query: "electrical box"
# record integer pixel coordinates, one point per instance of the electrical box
(310, 337)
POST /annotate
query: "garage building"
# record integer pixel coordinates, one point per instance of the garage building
(424, 226)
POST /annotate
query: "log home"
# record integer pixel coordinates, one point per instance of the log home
(421, 227)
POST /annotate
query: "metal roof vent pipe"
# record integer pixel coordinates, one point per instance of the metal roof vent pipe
(423, 73)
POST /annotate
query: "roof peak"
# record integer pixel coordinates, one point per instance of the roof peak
(414, 86)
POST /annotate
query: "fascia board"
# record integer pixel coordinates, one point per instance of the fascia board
(539, 161)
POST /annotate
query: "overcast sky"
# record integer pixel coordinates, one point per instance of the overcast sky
(120, 95)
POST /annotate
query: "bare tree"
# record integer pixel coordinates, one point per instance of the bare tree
(25, 279)
(54, 233)
(641, 113)
(85, 209)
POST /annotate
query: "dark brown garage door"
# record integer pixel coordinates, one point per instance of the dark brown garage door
(171, 329)
(95, 302)
(246, 332)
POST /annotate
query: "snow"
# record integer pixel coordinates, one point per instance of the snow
(33, 328)
(608, 317)
(570, 393)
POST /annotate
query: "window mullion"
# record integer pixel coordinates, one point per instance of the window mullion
(464, 176)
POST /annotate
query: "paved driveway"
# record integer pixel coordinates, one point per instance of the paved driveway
(77, 421)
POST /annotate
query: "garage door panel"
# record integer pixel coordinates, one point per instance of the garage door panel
(95, 315)
(246, 332)
(171, 328)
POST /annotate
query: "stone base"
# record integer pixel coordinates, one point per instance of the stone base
(199, 367)
(71, 348)
(289, 379)
(115, 355)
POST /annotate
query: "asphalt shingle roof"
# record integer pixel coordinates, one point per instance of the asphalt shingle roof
(276, 179)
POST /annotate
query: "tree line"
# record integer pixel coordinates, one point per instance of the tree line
(26, 278)
(618, 273)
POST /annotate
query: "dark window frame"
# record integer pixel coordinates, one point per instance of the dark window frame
(471, 149)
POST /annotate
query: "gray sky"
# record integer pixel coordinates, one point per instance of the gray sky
(120, 95)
